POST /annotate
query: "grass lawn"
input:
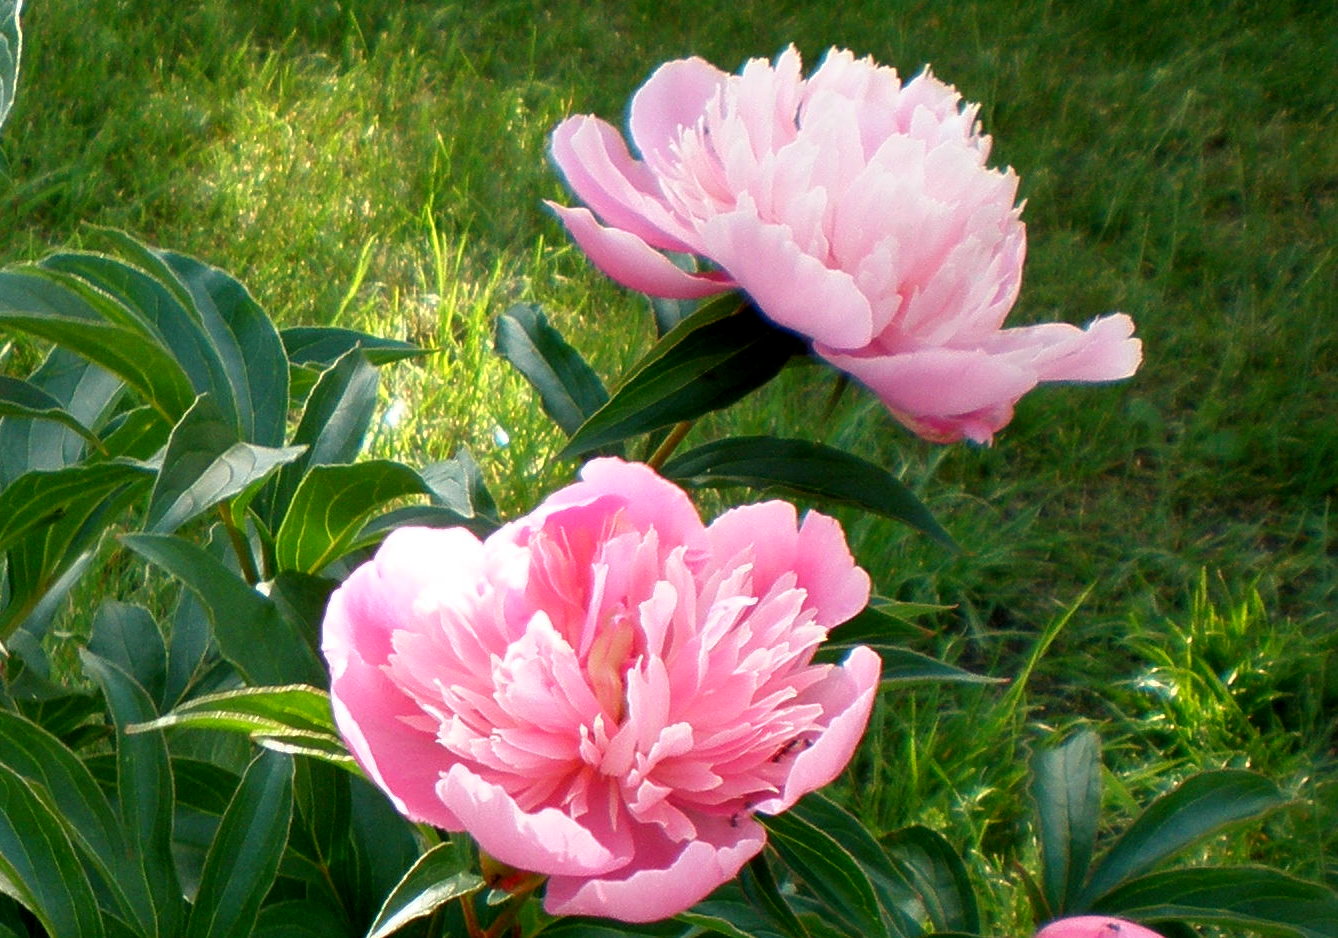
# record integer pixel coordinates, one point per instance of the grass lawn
(1156, 558)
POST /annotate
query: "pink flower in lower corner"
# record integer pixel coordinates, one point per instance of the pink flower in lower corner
(606, 690)
(1095, 926)
(853, 209)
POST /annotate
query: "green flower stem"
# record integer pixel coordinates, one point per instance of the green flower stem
(248, 565)
(670, 443)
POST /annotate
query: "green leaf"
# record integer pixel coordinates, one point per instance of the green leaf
(88, 393)
(437, 878)
(39, 867)
(299, 918)
(938, 877)
(144, 786)
(707, 362)
(22, 400)
(904, 666)
(324, 345)
(331, 505)
(1199, 807)
(829, 869)
(53, 523)
(136, 435)
(37, 500)
(11, 45)
(569, 390)
(244, 857)
(809, 469)
(1233, 898)
(66, 311)
(161, 308)
(458, 484)
(251, 632)
(334, 423)
(759, 885)
(1066, 788)
(206, 464)
(882, 621)
(129, 637)
(904, 908)
(288, 718)
(43, 760)
(247, 343)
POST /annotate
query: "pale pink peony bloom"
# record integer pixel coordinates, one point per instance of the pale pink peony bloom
(606, 690)
(1095, 926)
(853, 210)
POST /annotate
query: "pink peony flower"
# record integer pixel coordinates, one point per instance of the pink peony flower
(1095, 926)
(853, 210)
(605, 690)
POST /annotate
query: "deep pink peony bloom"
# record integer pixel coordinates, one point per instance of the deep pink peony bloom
(853, 210)
(605, 690)
(1095, 926)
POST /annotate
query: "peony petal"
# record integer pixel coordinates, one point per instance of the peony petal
(619, 189)
(837, 588)
(634, 263)
(674, 97)
(848, 699)
(666, 877)
(372, 712)
(544, 841)
(939, 382)
(1104, 351)
(793, 289)
(1095, 926)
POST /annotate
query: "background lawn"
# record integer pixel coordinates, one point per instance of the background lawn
(1157, 558)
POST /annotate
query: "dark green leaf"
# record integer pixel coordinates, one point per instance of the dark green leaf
(437, 878)
(705, 363)
(66, 311)
(331, 505)
(85, 391)
(902, 904)
(759, 885)
(458, 484)
(334, 422)
(245, 854)
(22, 400)
(38, 864)
(290, 718)
(903, 666)
(128, 636)
(144, 786)
(1066, 788)
(251, 632)
(810, 469)
(42, 759)
(206, 464)
(161, 308)
(137, 434)
(880, 623)
(423, 516)
(937, 875)
(41, 499)
(1200, 806)
(832, 873)
(569, 389)
(299, 918)
(11, 45)
(1254, 898)
(324, 345)
(246, 342)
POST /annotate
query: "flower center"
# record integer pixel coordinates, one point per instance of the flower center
(607, 665)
